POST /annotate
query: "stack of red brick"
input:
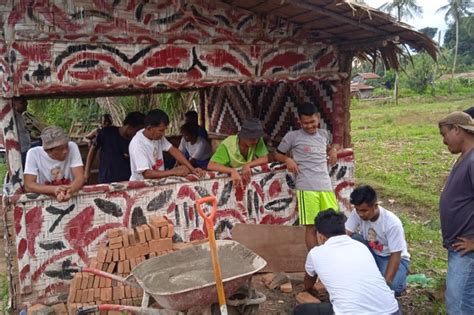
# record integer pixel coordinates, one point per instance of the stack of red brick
(125, 249)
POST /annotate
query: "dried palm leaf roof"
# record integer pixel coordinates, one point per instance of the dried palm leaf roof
(352, 26)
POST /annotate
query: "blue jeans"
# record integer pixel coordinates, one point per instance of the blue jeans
(460, 284)
(399, 282)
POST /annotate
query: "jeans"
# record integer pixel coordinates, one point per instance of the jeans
(324, 308)
(399, 282)
(460, 284)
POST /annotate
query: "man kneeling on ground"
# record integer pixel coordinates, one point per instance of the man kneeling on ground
(347, 270)
(55, 168)
(382, 231)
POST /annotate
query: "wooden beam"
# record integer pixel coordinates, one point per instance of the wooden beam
(334, 15)
(375, 42)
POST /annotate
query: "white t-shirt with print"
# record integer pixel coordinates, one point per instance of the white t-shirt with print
(201, 150)
(349, 272)
(385, 235)
(146, 154)
(49, 171)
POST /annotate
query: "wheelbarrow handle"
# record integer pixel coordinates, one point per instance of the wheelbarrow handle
(209, 199)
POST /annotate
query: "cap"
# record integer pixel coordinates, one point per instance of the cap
(460, 119)
(53, 137)
(251, 129)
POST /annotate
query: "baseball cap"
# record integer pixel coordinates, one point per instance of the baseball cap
(460, 119)
(53, 137)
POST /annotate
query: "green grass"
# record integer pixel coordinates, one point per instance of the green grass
(3, 293)
(400, 152)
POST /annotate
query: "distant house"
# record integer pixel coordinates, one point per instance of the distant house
(363, 77)
(465, 75)
(361, 90)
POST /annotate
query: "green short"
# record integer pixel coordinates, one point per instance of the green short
(310, 203)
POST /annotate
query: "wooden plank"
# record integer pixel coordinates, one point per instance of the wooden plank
(283, 247)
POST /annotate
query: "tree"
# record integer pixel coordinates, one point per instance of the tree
(429, 31)
(455, 10)
(404, 8)
(465, 43)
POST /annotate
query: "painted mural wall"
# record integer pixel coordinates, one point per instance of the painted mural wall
(49, 234)
(71, 46)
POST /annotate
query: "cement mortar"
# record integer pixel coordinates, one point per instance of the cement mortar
(191, 268)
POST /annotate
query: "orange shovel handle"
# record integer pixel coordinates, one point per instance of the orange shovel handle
(213, 201)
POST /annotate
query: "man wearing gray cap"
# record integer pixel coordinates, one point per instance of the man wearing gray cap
(246, 150)
(55, 168)
(456, 207)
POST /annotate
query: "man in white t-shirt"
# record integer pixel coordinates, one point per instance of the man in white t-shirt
(347, 270)
(146, 151)
(196, 149)
(55, 168)
(382, 231)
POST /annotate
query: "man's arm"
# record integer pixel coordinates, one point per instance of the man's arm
(156, 174)
(309, 281)
(90, 159)
(392, 266)
(182, 160)
(78, 182)
(290, 163)
(332, 154)
(349, 233)
(33, 187)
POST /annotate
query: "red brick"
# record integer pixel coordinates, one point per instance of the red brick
(161, 245)
(95, 285)
(147, 231)
(101, 253)
(181, 245)
(111, 267)
(125, 240)
(170, 230)
(90, 297)
(128, 292)
(122, 255)
(85, 296)
(72, 308)
(116, 255)
(109, 256)
(131, 237)
(155, 232)
(144, 249)
(106, 294)
(102, 282)
(286, 287)
(115, 246)
(120, 267)
(108, 283)
(111, 233)
(115, 240)
(152, 254)
(133, 263)
(126, 267)
(73, 287)
(133, 252)
(164, 231)
(134, 292)
(85, 280)
(140, 234)
(78, 297)
(158, 221)
(304, 297)
(96, 294)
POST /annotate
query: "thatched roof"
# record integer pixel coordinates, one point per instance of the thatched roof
(351, 26)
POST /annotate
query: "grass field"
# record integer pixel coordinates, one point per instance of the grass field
(399, 151)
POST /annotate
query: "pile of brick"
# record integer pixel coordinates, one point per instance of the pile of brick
(124, 249)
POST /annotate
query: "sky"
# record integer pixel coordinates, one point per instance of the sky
(429, 19)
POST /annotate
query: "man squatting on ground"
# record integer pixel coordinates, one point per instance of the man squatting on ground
(311, 153)
(456, 208)
(348, 271)
(146, 151)
(382, 232)
(55, 168)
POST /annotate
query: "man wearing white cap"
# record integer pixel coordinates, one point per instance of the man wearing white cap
(456, 206)
(55, 168)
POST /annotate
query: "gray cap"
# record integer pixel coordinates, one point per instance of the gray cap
(53, 137)
(251, 129)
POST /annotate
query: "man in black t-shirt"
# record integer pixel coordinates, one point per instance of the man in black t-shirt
(113, 145)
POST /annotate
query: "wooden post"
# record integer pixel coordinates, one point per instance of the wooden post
(12, 146)
(202, 108)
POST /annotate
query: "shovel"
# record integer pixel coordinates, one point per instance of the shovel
(212, 244)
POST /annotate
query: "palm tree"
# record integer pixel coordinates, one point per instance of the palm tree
(456, 9)
(403, 8)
